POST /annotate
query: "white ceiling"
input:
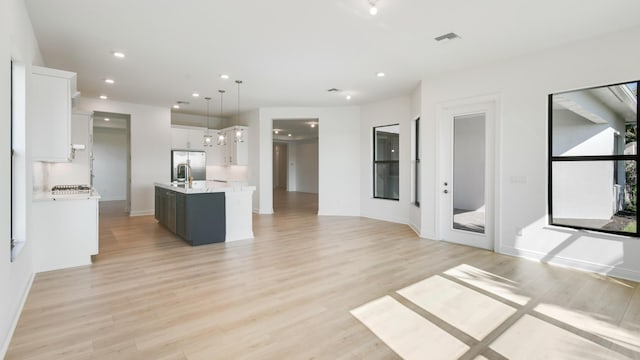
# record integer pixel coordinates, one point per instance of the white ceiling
(289, 52)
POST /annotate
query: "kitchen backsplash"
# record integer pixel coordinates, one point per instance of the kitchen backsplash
(229, 173)
(47, 175)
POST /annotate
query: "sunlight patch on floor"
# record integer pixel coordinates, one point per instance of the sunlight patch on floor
(518, 328)
(531, 336)
(408, 334)
(468, 310)
(489, 282)
(585, 321)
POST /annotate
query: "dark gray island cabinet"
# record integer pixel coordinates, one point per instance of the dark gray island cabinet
(198, 218)
(205, 212)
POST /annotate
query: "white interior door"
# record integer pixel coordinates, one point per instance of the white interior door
(466, 174)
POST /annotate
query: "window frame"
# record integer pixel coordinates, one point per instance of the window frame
(375, 162)
(551, 159)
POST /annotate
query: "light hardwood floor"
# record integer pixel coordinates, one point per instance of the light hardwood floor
(288, 293)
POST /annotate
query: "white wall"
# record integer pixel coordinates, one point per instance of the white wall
(110, 163)
(17, 42)
(521, 179)
(306, 166)
(150, 147)
(388, 112)
(339, 157)
(469, 163)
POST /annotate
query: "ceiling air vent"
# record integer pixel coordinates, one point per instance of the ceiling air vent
(447, 37)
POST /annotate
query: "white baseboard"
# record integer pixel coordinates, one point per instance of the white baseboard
(603, 269)
(16, 317)
(415, 229)
(389, 219)
(142, 212)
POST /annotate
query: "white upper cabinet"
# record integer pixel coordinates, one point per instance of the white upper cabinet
(237, 147)
(187, 138)
(215, 152)
(51, 92)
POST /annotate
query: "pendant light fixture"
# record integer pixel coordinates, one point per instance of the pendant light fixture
(373, 10)
(207, 137)
(239, 133)
(221, 138)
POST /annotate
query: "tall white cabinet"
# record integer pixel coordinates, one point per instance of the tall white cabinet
(51, 101)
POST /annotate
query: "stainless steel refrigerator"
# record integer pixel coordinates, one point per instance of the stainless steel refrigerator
(197, 160)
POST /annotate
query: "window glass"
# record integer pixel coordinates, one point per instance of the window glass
(386, 179)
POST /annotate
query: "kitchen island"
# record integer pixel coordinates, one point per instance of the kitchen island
(205, 212)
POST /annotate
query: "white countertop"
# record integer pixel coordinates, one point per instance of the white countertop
(199, 187)
(47, 196)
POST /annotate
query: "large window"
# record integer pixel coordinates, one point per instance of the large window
(416, 170)
(593, 159)
(386, 164)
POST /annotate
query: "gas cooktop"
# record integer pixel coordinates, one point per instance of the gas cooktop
(70, 189)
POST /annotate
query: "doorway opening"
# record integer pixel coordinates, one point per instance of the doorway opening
(295, 165)
(111, 161)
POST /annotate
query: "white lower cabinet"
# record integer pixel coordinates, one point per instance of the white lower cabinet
(65, 233)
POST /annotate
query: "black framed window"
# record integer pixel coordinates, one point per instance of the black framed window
(593, 159)
(386, 162)
(416, 172)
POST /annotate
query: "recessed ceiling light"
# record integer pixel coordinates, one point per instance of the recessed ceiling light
(224, 76)
(107, 119)
(118, 54)
(313, 125)
(103, 97)
(348, 97)
(380, 74)
(195, 94)
(109, 81)
(289, 135)
(276, 131)
(176, 106)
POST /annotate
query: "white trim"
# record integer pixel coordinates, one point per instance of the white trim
(577, 264)
(415, 229)
(388, 219)
(490, 106)
(14, 322)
